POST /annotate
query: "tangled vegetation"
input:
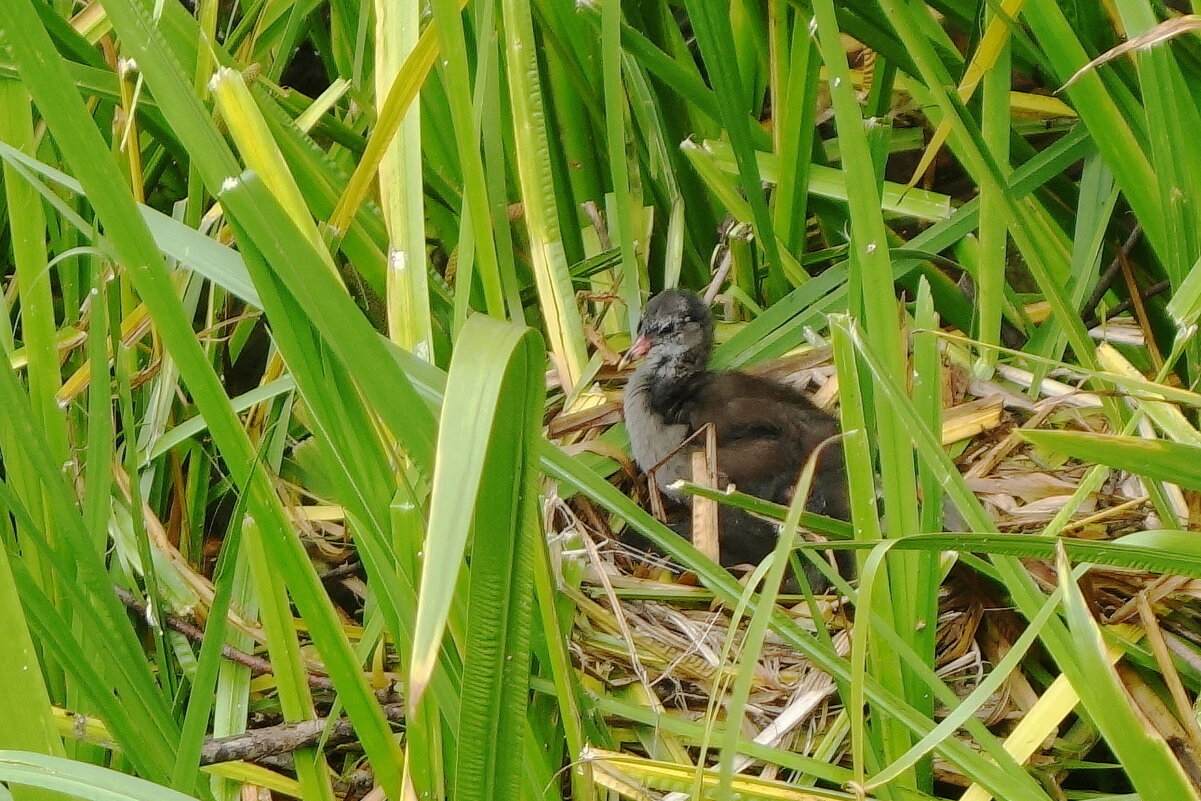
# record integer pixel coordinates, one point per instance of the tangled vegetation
(313, 478)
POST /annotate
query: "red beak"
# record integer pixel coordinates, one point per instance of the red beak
(640, 348)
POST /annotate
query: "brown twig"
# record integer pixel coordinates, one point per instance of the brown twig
(257, 665)
(1126, 305)
(1111, 272)
(285, 738)
(1140, 310)
(342, 571)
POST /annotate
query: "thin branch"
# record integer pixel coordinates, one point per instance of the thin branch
(286, 738)
(256, 664)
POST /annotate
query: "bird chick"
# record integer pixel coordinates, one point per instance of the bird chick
(765, 431)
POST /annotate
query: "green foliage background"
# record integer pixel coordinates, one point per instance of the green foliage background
(268, 258)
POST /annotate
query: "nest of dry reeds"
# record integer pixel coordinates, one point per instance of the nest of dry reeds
(641, 624)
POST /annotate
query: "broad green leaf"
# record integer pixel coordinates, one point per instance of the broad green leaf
(483, 492)
(79, 779)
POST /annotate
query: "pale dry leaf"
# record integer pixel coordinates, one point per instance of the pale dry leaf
(1163, 32)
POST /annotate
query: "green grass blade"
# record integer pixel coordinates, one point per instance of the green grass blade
(21, 683)
(449, 23)
(1158, 459)
(1169, 552)
(79, 780)
(1149, 761)
(401, 198)
(562, 317)
(715, 37)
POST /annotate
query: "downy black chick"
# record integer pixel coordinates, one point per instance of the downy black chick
(765, 431)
